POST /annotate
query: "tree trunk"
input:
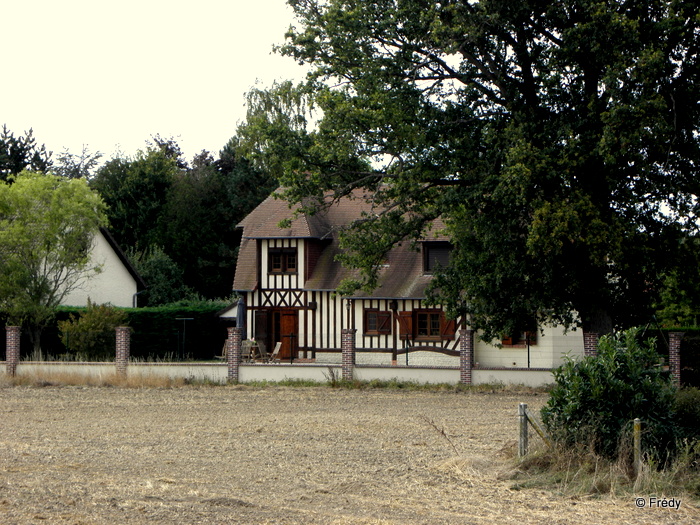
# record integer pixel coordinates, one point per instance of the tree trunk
(35, 338)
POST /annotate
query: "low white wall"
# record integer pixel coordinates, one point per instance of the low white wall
(416, 375)
(534, 378)
(282, 372)
(218, 372)
(201, 372)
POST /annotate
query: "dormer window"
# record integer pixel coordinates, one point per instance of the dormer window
(436, 254)
(282, 260)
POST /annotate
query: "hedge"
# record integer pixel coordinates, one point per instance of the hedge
(158, 333)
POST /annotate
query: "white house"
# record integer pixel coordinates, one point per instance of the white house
(118, 283)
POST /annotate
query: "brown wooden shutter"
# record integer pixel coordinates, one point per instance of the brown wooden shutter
(384, 322)
(447, 327)
(406, 325)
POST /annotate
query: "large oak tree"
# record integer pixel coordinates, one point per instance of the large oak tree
(557, 140)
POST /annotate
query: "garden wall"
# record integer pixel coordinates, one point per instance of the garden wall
(217, 373)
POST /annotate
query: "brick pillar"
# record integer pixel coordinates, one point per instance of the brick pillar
(674, 356)
(123, 349)
(466, 356)
(348, 346)
(12, 349)
(233, 352)
(590, 344)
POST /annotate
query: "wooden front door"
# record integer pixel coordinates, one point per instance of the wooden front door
(278, 325)
(287, 331)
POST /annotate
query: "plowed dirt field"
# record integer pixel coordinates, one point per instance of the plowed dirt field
(94, 455)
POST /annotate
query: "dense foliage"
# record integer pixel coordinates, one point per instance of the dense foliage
(90, 336)
(19, 153)
(596, 399)
(556, 140)
(47, 228)
(179, 221)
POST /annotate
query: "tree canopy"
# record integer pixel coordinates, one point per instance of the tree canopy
(18, 153)
(556, 140)
(178, 221)
(47, 227)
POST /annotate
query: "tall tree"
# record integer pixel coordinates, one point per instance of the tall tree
(47, 227)
(135, 191)
(180, 221)
(20, 153)
(557, 140)
(77, 166)
(204, 205)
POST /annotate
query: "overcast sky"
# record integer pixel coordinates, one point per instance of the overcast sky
(112, 74)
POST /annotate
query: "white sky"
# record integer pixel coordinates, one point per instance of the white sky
(112, 74)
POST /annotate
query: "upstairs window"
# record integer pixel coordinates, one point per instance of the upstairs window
(436, 255)
(282, 260)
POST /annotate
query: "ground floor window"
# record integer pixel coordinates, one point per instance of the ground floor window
(377, 322)
(426, 325)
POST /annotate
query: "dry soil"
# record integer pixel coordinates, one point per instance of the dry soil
(84, 455)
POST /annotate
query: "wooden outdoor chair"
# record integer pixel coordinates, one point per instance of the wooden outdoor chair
(246, 351)
(262, 352)
(275, 353)
(223, 353)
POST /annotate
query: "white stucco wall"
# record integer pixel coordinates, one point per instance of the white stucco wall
(552, 345)
(114, 284)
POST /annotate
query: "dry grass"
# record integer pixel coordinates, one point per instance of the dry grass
(583, 473)
(107, 379)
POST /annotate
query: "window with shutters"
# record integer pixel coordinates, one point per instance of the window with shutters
(520, 339)
(377, 322)
(525, 334)
(426, 325)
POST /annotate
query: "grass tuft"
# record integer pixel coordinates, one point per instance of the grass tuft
(580, 472)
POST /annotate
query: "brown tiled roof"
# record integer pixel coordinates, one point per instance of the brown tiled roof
(403, 276)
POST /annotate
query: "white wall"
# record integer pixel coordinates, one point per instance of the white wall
(552, 345)
(114, 284)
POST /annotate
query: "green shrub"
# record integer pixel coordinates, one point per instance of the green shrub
(687, 410)
(596, 399)
(91, 336)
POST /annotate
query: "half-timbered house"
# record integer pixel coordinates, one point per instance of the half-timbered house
(288, 278)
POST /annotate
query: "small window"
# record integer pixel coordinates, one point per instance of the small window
(520, 339)
(436, 255)
(377, 322)
(282, 260)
